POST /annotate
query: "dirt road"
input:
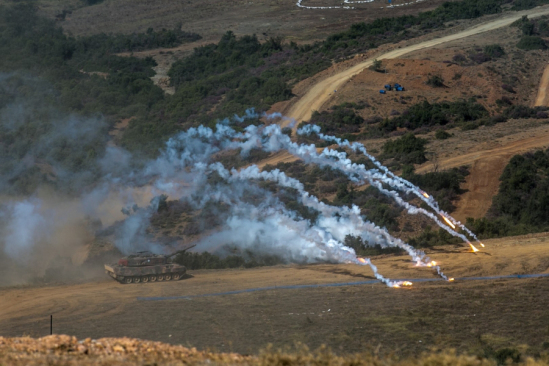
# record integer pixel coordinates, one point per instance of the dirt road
(345, 318)
(542, 100)
(319, 94)
(486, 167)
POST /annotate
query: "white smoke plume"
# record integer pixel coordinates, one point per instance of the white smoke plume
(399, 183)
(123, 199)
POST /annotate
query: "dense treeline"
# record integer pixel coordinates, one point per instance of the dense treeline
(246, 259)
(522, 203)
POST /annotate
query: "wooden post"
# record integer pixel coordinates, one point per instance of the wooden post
(51, 324)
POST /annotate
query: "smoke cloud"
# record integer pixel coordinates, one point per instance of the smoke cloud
(65, 187)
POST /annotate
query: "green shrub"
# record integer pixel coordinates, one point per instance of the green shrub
(430, 238)
(407, 149)
(206, 260)
(428, 115)
(531, 43)
(435, 81)
(442, 135)
(494, 51)
(362, 248)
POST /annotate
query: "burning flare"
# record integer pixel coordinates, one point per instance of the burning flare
(473, 248)
(448, 222)
(481, 244)
(425, 195)
(404, 283)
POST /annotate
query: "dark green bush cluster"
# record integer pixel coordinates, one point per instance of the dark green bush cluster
(522, 203)
(374, 205)
(532, 43)
(364, 250)
(427, 115)
(444, 186)
(531, 30)
(489, 53)
(338, 121)
(206, 260)
(435, 81)
(431, 238)
(407, 149)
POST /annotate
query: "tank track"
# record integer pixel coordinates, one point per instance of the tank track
(176, 276)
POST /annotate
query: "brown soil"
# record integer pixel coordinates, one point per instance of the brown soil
(486, 151)
(347, 318)
(542, 98)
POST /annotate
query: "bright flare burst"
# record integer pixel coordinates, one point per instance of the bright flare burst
(448, 222)
(473, 248)
(425, 194)
(451, 279)
(481, 244)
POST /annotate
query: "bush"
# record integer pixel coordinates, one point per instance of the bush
(206, 260)
(362, 248)
(494, 51)
(407, 149)
(428, 115)
(442, 135)
(338, 120)
(435, 81)
(429, 238)
(531, 43)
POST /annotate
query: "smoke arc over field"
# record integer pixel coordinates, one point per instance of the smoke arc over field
(95, 188)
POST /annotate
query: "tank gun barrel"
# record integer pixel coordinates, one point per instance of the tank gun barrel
(181, 251)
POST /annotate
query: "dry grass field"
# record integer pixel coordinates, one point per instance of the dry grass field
(212, 18)
(470, 316)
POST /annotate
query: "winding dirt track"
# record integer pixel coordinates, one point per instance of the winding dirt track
(486, 167)
(542, 100)
(317, 95)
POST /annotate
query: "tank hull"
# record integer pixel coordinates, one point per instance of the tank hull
(155, 273)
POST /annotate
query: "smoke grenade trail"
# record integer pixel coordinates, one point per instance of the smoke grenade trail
(272, 139)
(404, 185)
(348, 222)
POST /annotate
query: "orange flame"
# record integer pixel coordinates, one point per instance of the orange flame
(448, 222)
(473, 248)
(425, 194)
(361, 260)
(407, 283)
(481, 244)
(451, 279)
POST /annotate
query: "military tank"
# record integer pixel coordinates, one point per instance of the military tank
(146, 267)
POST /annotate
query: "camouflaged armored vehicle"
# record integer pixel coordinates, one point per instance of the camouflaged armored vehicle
(145, 267)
